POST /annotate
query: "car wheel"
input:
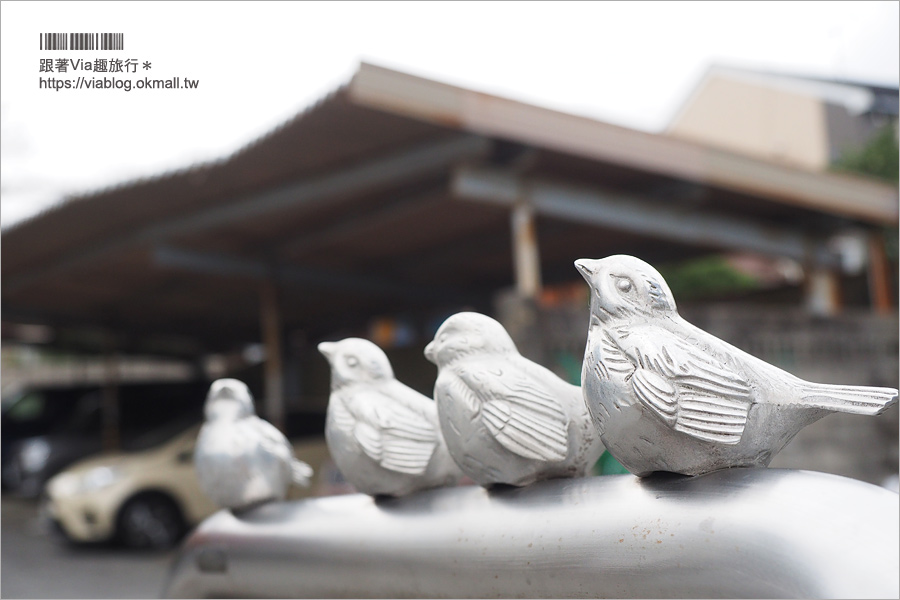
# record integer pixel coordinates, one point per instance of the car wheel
(150, 521)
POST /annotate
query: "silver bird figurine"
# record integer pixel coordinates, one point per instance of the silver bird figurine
(506, 419)
(668, 396)
(242, 460)
(383, 435)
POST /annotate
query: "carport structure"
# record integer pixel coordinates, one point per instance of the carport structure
(401, 194)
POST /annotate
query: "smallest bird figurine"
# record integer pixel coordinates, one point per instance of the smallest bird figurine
(242, 460)
(383, 435)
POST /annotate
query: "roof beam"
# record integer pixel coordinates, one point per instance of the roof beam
(424, 159)
(208, 263)
(96, 331)
(411, 96)
(360, 223)
(421, 160)
(639, 215)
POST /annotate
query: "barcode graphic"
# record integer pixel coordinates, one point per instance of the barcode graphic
(82, 41)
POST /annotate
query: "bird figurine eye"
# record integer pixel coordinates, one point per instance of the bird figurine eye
(624, 285)
(352, 361)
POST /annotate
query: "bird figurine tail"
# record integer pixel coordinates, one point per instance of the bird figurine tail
(301, 472)
(857, 400)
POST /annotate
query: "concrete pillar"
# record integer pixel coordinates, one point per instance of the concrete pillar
(525, 250)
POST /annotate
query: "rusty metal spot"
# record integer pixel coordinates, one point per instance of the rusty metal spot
(212, 560)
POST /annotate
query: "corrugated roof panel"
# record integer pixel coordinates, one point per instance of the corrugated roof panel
(185, 253)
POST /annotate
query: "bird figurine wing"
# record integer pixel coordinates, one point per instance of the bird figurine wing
(301, 472)
(690, 390)
(343, 418)
(274, 442)
(271, 439)
(455, 391)
(522, 416)
(398, 438)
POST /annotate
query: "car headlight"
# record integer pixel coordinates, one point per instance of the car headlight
(64, 484)
(34, 455)
(72, 484)
(98, 478)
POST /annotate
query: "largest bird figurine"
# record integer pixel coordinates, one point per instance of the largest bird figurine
(383, 435)
(506, 419)
(668, 396)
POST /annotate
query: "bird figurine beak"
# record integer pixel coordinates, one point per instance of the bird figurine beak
(327, 349)
(586, 267)
(429, 351)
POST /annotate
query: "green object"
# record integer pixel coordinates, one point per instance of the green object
(607, 465)
(709, 276)
(879, 158)
(571, 366)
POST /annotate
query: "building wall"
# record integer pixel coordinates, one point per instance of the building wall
(766, 122)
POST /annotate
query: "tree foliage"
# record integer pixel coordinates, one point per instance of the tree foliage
(879, 158)
(706, 277)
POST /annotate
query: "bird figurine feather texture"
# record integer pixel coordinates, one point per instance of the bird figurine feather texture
(383, 435)
(240, 459)
(506, 419)
(666, 395)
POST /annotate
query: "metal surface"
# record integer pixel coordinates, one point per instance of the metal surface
(630, 212)
(740, 533)
(240, 459)
(383, 436)
(668, 396)
(506, 419)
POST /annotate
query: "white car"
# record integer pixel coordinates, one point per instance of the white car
(146, 499)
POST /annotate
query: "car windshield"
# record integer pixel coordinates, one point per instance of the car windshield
(49, 408)
(158, 436)
(147, 413)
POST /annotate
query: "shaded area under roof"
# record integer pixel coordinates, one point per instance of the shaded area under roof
(393, 195)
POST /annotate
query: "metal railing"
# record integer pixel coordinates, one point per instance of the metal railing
(752, 533)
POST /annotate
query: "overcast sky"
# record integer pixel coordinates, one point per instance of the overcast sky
(258, 64)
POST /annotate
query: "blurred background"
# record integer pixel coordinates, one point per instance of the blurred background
(370, 169)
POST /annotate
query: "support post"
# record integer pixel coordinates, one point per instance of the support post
(519, 311)
(879, 276)
(638, 214)
(296, 345)
(110, 404)
(525, 250)
(270, 322)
